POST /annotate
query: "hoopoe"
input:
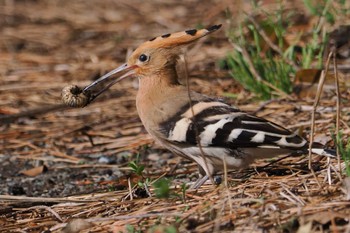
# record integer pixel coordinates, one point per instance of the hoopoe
(203, 129)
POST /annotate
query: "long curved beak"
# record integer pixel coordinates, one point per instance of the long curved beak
(124, 70)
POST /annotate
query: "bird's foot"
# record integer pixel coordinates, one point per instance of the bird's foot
(217, 180)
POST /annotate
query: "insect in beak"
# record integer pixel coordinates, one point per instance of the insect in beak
(124, 70)
(73, 96)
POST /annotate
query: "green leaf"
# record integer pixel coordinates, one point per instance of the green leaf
(162, 188)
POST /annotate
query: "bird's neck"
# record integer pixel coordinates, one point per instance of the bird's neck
(155, 95)
(156, 86)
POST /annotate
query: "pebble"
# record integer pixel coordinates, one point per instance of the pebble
(104, 160)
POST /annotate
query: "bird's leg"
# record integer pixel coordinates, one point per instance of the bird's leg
(203, 177)
(199, 182)
(202, 180)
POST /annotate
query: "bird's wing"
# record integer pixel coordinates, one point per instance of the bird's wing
(217, 124)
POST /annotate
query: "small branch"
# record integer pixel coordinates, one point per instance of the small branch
(127, 217)
(56, 215)
(7, 119)
(130, 189)
(147, 190)
(225, 171)
(337, 91)
(195, 124)
(316, 102)
(18, 199)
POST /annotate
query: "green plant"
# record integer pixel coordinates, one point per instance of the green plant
(344, 150)
(131, 229)
(257, 69)
(328, 9)
(111, 188)
(162, 188)
(136, 167)
(162, 228)
(262, 61)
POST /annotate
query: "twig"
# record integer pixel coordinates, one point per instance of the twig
(329, 176)
(306, 123)
(302, 203)
(288, 198)
(54, 213)
(126, 217)
(336, 171)
(7, 119)
(18, 199)
(195, 124)
(225, 171)
(147, 190)
(337, 91)
(249, 61)
(316, 102)
(130, 189)
(263, 105)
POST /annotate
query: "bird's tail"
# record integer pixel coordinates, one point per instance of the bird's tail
(319, 149)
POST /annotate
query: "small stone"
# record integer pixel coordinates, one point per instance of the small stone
(16, 190)
(104, 160)
(153, 157)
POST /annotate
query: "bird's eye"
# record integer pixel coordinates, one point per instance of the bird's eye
(143, 58)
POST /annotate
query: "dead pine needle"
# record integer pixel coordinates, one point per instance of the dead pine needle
(314, 108)
(225, 172)
(130, 189)
(337, 91)
(48, 209)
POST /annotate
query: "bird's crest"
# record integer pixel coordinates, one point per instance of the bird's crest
(178, 38)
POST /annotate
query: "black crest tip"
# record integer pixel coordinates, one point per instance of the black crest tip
(153, 39)
(214, 27)
(166, 35)
(191, 32)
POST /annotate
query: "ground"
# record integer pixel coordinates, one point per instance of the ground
(58, 164)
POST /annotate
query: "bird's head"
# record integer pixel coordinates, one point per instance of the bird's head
(151, 57)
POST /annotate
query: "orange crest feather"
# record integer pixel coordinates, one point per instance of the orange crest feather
(178, 38)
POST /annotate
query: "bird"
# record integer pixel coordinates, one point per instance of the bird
(204, 129)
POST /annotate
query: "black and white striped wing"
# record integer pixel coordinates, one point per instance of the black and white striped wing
(216, 124)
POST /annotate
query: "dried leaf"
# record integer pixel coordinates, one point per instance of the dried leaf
(305, 84)
(310, 76)
(306, 81)
(34, 171)
(77, 225)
